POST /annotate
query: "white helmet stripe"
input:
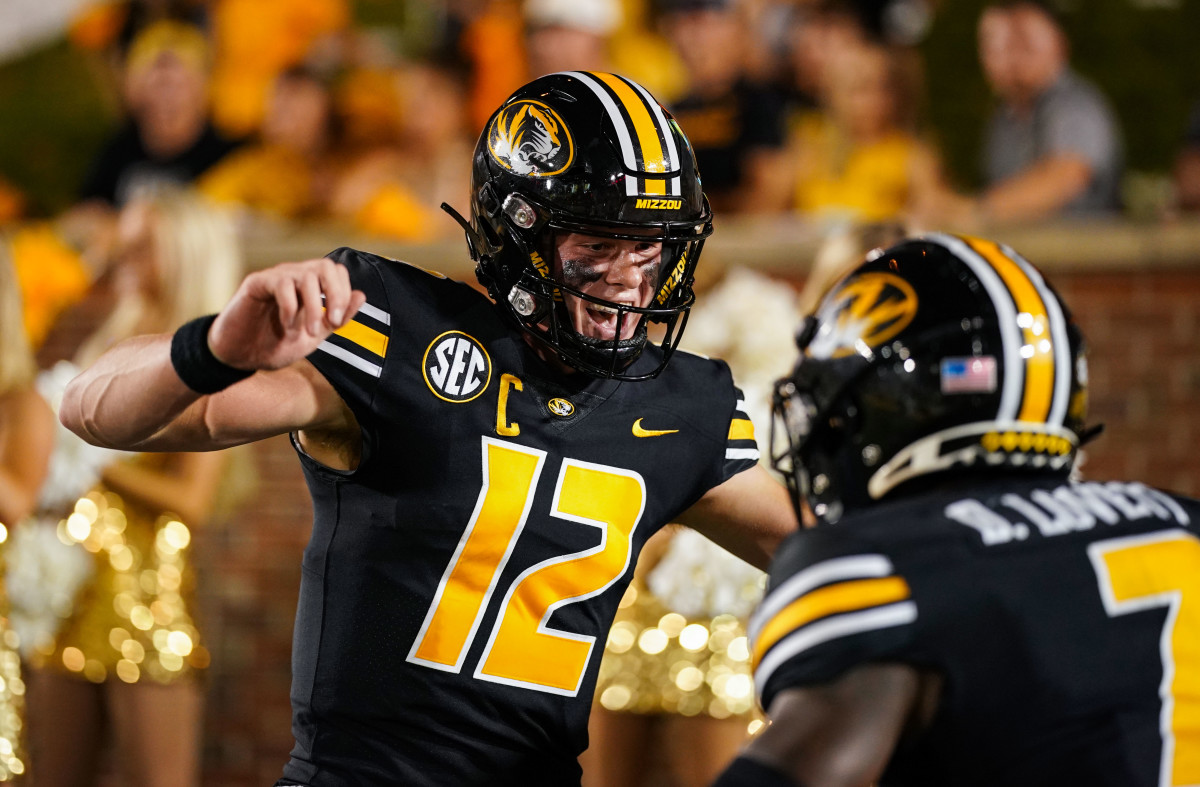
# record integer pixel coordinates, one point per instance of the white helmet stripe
(1006, 312)
(643, 124)
(1058, 335)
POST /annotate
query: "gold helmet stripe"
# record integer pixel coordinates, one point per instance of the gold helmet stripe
(653, 158)
(1034, 321)
(638, 130)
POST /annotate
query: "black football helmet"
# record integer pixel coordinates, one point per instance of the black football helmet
(594, 153)
(935, 355)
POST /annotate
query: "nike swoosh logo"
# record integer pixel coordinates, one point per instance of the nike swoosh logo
(638, 431)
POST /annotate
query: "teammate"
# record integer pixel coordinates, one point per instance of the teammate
(963, 613)
(483, 472)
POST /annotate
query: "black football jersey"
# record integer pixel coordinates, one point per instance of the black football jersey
(1064, 618)
(459, 584)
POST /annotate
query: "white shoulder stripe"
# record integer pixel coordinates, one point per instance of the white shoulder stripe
(372, 369)
(741, 405)
(742, 453)
(835, 570)
(812, 635)
(375, 313)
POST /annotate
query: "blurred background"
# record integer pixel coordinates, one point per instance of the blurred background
(258, 131)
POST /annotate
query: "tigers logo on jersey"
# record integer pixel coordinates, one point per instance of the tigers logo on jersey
(868, 309)
(561, 407)
(456, 367)
(529, 138)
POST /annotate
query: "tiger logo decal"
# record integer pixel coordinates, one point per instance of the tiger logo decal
(529, 138)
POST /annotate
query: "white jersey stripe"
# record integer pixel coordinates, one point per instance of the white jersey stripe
(375, 370)
(1006, 312)
(834, 570)
(742, 453)
(832, 628)
(375, 313)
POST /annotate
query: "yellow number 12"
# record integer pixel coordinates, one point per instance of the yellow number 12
(1163, 570)
(522, 650)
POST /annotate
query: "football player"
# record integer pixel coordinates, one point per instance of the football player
(483, 470)
(963, 612)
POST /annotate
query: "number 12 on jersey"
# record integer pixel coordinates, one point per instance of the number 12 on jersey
(521, 649)
(1152, 571)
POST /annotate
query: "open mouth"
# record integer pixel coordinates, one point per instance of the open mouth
(601, 322)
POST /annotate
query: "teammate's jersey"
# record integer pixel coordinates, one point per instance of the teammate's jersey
(1063, 617)
(459, 585)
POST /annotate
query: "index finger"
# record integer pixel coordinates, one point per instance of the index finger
(335, 286)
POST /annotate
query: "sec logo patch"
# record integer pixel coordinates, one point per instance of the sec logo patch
(456, 367)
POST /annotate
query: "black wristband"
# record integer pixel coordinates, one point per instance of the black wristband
(195, 363)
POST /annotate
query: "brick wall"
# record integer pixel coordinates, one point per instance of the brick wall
(1145, 385)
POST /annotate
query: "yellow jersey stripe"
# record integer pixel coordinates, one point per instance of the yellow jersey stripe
(829, 600)
(1038, 350)
(741, 429)
(369, 339)
(644, 126)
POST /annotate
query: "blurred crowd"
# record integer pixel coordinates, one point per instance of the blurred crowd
(245, 114)
(291, 111)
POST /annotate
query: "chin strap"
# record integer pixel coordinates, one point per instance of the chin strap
(475, 244)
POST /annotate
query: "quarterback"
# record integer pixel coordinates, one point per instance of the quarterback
(964, 613)
(484, 470)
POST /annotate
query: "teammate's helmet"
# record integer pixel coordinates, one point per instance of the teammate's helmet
(585, 152)
(941, 354)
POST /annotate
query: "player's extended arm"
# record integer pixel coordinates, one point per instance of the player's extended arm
(839, 734)
(749, 514)
(132, 397)
(1038, 192)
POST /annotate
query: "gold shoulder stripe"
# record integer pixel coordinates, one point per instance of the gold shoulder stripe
(829, 600)
(1032, 317)
(369, 339)
(741, 429)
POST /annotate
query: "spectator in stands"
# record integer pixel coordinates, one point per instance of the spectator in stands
(861, 159)
(735, 124)
(168, 136)
(1053, 145)
(288, 171)
(600, 35)
(569, 35)
(815, 32)
(395, 188)
(1187, 165)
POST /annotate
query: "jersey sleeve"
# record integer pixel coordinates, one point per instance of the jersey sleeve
(353, 357)
(831, 605)
(741, 446)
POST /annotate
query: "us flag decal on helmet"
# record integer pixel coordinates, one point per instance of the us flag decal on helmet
(647, 144)
(1037, 354)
